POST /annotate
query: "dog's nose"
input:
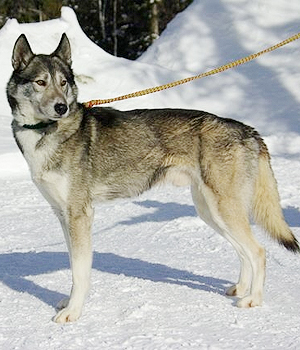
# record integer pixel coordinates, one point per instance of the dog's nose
(61, 108)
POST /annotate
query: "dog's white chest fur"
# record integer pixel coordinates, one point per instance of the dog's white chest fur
(36, 158)
(52, 184)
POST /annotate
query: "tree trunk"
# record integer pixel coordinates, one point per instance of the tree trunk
(115, 26)
(154, 20)
(101, 9)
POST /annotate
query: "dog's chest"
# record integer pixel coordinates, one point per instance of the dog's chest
(36, 157)
(53, 184)
(54, 187)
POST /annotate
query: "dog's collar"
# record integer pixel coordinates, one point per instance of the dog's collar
(38, 126)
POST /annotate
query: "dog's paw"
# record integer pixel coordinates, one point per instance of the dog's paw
(249, 301)
(68, 314)
(236, 291)
(62, 304)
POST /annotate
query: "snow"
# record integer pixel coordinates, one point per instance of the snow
(159, 273)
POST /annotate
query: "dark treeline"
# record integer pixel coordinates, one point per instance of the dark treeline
(124, 28)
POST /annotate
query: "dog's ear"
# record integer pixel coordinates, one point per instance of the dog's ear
(63, 50)
(22, 53)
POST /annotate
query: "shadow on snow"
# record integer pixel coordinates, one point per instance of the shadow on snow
(15, 267)
(292, 216)
(163, 212)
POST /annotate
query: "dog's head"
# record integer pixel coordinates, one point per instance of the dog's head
(42, 87)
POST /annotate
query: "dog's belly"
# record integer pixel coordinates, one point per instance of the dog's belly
(134, 183)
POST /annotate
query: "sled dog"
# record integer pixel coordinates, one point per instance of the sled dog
(77, 155)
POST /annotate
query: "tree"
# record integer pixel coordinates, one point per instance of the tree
(122, 27)
(29, 10)
(115, 27)
(154, 19)
(102, 15)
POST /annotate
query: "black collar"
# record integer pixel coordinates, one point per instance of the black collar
(38, 126)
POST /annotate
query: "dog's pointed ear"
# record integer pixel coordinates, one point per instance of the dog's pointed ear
(22, 53)
(63, 50)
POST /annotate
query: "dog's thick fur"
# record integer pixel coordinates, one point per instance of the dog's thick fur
(77, 155)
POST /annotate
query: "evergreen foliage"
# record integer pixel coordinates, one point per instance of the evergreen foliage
(124, 28)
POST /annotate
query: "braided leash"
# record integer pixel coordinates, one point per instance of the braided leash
(223, 68)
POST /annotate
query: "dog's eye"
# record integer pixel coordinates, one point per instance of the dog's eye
(63, 83)
(41, 82)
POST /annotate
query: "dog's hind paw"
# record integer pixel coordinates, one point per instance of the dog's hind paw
(62, 304)
(67, 314)
(236, 291)
(249, 301)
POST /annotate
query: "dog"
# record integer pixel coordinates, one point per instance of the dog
(77, 155)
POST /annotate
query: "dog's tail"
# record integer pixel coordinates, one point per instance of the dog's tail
(266, 205)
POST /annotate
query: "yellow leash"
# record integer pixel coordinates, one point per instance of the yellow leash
(227, 66)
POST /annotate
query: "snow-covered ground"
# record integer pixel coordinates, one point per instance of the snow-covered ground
(159, 273)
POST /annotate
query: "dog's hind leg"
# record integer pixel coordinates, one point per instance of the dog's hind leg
(77, 227)
(252, 255)
(228, 217)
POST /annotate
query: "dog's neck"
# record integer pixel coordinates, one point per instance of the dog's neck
(40, 125)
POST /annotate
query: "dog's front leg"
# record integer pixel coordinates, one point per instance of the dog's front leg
(77, 229)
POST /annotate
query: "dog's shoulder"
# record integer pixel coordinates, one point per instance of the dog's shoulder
(103, 116)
